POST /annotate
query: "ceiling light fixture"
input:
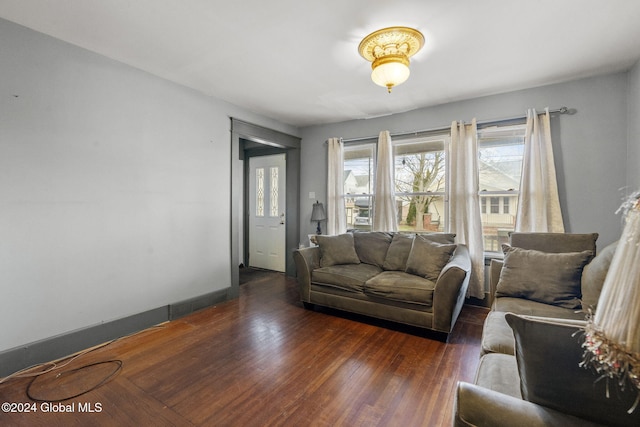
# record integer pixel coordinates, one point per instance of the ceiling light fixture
(389, 50)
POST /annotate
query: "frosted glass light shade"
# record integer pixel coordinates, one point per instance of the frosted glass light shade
(389, 50)
(390, 74)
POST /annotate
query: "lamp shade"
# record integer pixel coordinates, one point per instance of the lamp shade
(390, 72)
(612, 335)
(318, 214)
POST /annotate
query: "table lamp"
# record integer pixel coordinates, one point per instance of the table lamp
(318, 214)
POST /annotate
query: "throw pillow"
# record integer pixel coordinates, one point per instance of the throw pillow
(594, 274)
(336, 250)
(427, 258)
(550, 278)
(372, 247)
(398, 253)
(548, 354)
(442, 238)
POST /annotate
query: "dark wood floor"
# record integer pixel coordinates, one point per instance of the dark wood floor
(261, 360)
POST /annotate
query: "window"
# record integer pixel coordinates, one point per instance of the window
(420, 175)
(499, 167)
(359, 165)
(420, 183)
(273, 201)
(259, 191)
(495, 205)
(505, 206)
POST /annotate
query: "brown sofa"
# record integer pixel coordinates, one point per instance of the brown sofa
(529, 371)
(419, 280)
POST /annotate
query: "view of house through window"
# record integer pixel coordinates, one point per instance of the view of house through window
(420, 176)
(420, 184)
(500, 151)
(359, 165)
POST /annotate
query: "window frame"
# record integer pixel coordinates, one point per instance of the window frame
(351, 198)
(506, 135)
(432, 139)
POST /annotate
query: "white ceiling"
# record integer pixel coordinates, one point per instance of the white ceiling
(297, 61)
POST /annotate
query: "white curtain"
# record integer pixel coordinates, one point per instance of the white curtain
(538, 204)
(336, 214)
(464, 201)
(384, 200)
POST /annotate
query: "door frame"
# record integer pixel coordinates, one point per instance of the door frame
(248, 140)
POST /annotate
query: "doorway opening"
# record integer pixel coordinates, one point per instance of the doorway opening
(249, 142)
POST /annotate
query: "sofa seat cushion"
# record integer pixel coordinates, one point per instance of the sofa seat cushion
(497, 336)
(401, 286)
(533, 308)
(499, 372)
(350, 277)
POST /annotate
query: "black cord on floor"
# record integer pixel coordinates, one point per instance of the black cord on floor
(118, 368)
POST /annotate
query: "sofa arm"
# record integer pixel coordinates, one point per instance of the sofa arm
(451, 289)
(479, 406)
(306, 260)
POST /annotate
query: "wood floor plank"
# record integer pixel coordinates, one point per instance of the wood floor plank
(263, 359)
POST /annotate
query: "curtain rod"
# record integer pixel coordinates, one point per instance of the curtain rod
(483, 123)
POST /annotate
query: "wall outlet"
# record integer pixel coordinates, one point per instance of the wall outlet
(312, 194)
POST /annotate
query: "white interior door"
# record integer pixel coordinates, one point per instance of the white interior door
(267, 231)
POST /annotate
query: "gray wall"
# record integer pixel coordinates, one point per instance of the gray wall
(114, 188)
(633, 155)
(114, 184)
(590, 146)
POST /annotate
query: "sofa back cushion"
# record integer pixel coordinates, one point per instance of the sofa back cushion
(337, 250)
(400, 248)
(398, 253)
(372, 247)
(442, 238)
(428, 258)
(555, 242)
(550, 278)
(548, 353)
(594, 274)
